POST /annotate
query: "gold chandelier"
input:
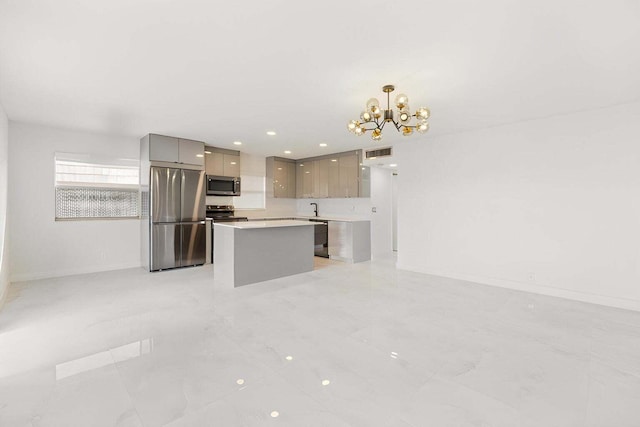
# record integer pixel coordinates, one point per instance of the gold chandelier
(373, 118)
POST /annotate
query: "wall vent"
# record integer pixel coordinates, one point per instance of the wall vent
(380, 152)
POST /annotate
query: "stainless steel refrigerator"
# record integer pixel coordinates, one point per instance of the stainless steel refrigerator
(177, 218)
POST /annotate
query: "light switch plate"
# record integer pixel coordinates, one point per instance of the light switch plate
(373, 209)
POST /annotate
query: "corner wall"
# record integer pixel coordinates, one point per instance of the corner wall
(42, 247)
(549, 206)
(4, 187)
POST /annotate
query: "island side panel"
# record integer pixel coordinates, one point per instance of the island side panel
(361, 241)
(268, 253)
(223, 256)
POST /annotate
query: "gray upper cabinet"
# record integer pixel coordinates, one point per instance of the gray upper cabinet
(321, 178)
(175, 150)
(231, 165)
(304, 179)
(349, 175)
(214, 163)
(163, 148)
(332, 176)
(282, 174)
(222, 162)
(191, 152)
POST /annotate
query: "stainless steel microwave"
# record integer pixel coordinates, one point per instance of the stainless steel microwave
(223, 185)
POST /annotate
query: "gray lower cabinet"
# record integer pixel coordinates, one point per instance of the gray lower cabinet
(349, 241)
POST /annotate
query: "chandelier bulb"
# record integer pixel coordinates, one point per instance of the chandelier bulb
(423, 113)
(401, 101)
(373, 104)
(422, 127)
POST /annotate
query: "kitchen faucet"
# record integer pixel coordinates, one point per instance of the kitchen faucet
(316, 208)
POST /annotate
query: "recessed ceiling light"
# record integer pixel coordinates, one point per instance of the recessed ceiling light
(393, 165)
(237, 143)
(207, 152)
(326, 382)
(372, 158)
(287, 152)
(323, 145)
(271, 132)
(334, 160)
(233, 163)
(199, 155)
(274, 414)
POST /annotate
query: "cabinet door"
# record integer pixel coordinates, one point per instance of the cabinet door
(299, 180)
(231, 165)
(334, 177)
(214, 164)
(210, 165)
(291, 177)
(321, 178)
(304, 179)
(280, 181)
(163, 149)
(191, 152)
(349, 175)
(309, 178)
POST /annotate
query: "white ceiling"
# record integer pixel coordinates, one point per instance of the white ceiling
(226, 71)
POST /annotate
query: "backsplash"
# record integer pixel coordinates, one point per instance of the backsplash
(348, 208)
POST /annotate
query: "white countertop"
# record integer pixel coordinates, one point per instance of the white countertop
(306, 218)
(332, 218)
(263, 224)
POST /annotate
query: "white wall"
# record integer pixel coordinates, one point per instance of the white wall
(43, 247)
(381, 220)
(550, 206)
(4, 228)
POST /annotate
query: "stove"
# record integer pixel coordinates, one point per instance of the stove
(223, 213)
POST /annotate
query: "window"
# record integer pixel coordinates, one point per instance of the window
(90, 187)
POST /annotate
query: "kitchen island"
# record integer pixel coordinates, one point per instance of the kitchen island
(255, 251)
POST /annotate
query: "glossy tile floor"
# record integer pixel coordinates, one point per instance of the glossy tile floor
(344, 345)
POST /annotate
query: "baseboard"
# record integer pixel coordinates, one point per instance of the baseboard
(624, 303)
(71, 272)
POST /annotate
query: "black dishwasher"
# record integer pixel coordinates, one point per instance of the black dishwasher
(321, 238)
